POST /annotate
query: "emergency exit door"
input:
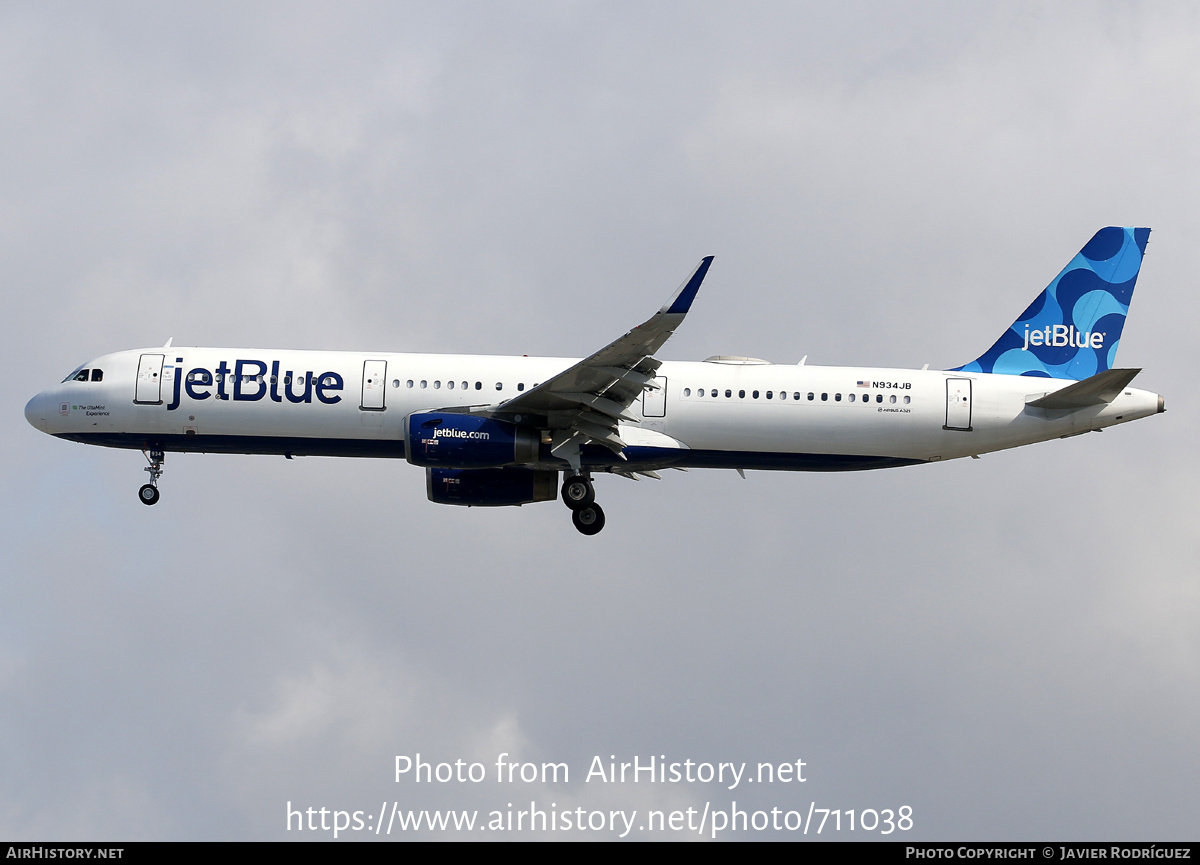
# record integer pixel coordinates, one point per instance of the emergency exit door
(373, 384)
(654, 398)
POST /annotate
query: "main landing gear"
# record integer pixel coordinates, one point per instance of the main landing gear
(148, 494)
(579, 495)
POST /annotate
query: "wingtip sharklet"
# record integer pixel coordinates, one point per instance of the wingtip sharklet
(682, 300)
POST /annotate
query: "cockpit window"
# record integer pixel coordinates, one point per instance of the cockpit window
(80, 374)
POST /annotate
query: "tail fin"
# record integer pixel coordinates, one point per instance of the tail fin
(1073, 328)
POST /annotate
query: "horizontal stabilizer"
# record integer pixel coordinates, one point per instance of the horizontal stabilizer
(1100, 389)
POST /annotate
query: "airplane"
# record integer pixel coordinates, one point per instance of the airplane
(498, 431)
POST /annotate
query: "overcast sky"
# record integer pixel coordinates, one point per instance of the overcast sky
(1009, 646)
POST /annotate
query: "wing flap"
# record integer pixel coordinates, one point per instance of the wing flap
(609, 407)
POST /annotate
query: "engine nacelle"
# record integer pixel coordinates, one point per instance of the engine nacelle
(490, 487)
(464, 441)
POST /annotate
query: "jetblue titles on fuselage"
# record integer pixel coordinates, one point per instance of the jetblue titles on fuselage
(251, 384)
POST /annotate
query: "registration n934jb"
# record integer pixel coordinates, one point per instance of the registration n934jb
(501, 431)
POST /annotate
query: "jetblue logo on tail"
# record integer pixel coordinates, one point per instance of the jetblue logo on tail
(1060, 335)
(1073, 328)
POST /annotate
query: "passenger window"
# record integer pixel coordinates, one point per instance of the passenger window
(741, 394)
(449, 385)
(907, 400)
(796, 395)
(850, 397)
(769, 394)
(687, 391)
(520, 385)
(837, 397)
(892, 399)
(811, 396)
(97, 375)
(424, 383)
(437, 385)
(714, 392)
(824, 397)
(755, 394)
(409, 383)
(478, 385)
(878, 397)
(499, 386)
(728, 393)
(395, 382)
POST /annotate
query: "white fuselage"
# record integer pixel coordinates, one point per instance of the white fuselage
(761, 416)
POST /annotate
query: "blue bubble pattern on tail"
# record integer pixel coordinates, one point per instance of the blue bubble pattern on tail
(1073, 328)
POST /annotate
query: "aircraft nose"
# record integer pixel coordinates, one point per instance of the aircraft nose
(37, 411)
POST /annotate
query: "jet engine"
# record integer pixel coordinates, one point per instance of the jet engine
(490, 487)
(464, 441)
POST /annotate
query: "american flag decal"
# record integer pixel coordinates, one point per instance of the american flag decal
(864, 384)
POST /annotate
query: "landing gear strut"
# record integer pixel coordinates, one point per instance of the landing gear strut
(579, 495)
(148, 494)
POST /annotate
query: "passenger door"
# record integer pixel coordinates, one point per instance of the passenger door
(958, 404)
(148, 390)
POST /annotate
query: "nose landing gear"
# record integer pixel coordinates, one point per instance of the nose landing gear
(579, 495)
(148, 494)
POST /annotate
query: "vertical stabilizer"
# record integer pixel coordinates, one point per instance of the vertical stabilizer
(1073, 328)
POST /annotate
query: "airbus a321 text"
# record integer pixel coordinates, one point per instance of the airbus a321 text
(493, 431)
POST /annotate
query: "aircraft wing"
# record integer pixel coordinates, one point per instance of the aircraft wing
(584, 402)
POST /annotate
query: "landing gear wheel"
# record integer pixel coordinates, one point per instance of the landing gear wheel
(588, 519)
(148, 494)
(578, 492)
